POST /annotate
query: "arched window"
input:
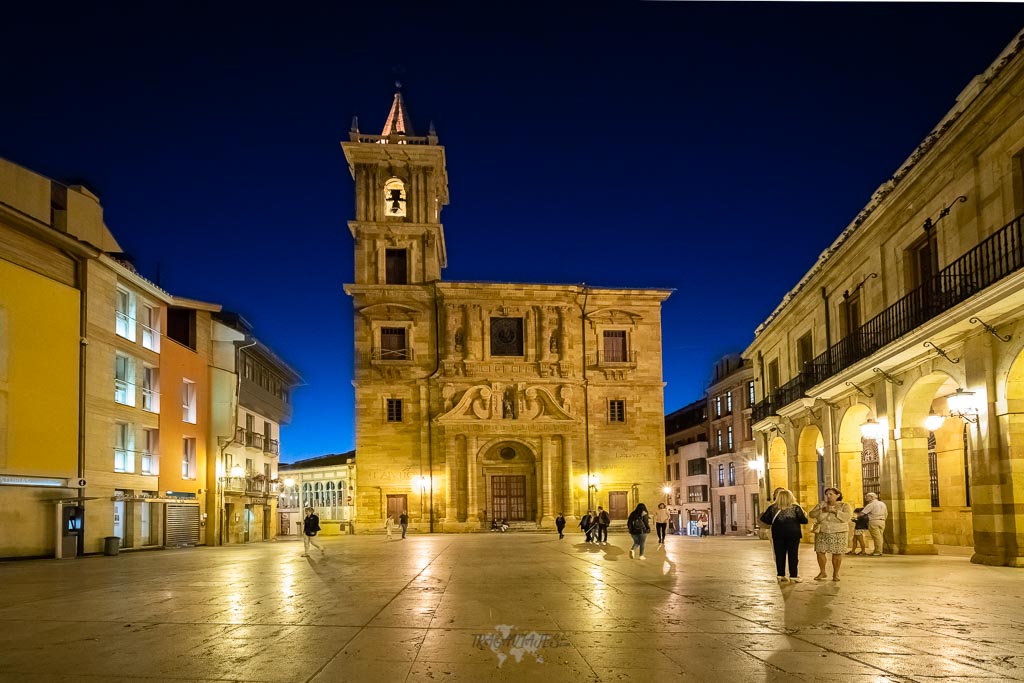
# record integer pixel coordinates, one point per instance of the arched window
(318, 494)
(394, 197)
(721, 475)
(307, 495)
(732, 474)
(330, 500)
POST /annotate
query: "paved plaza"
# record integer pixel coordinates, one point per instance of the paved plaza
(515, 607)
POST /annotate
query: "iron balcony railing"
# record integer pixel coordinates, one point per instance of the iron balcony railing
(271, 446)
(380, 354)
(993, 259)
(614, 359)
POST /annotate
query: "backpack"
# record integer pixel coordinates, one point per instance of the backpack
(636, 525)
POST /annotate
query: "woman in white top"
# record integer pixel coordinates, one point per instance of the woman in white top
(388, 525)
(833, 517)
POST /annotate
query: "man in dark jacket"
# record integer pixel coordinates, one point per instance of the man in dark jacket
(403, 520)
(310, 528)
(603, 520)
(587, 524)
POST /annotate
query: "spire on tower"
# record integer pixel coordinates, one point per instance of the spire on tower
(399, 122)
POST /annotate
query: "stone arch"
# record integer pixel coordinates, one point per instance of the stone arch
(851, 454)
(999, 537)
(810, 452)
(910, 507)
(778, 465)
(510, 471)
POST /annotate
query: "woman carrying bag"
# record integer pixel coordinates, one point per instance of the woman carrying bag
(833, 525)
(785, 516)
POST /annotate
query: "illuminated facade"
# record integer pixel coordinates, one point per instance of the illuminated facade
(735, 498)
(896, 365)
(40, 339)
(476, 400)
(327, 483)
(686, 463)
(251, 398)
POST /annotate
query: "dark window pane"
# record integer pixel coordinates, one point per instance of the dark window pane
(395, 267)
(506, 336)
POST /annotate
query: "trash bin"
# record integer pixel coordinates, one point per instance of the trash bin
(111, 545)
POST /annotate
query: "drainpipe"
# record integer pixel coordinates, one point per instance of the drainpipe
(83, 283)
(430, 432)
(586, 394)
(828, 326)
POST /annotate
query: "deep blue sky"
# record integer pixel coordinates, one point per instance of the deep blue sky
(715, 149)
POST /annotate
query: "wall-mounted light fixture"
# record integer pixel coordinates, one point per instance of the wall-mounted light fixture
(960, 404)
(871, 429)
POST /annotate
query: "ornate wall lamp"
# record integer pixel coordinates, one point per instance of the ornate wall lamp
(871, 430)
(960, 404)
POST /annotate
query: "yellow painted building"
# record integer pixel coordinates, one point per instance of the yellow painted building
(40, 342)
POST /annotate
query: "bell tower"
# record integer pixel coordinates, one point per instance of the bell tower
(401, 184)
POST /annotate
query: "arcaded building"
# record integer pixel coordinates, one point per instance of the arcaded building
(478, 400)
(896, 364)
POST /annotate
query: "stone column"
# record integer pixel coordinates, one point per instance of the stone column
(567, 471)
(472, 506)
(912, 519)
(529, 336)
(545, 333)
(450, 475)
(473, 336)
(547, 453)
(563, 333)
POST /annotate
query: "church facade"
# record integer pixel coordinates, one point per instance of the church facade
(487, 401)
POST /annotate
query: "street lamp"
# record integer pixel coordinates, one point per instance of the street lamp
(666, 490)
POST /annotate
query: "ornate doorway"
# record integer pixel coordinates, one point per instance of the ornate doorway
(508, 497)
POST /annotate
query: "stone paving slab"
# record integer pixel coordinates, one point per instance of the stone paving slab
(514, 607)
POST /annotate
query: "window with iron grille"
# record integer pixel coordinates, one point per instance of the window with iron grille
(933, 469)
(392, 344)
(616, 410)
(721, 475)
(394, 410)
(869, 466)
(697, 494)
(615, 346)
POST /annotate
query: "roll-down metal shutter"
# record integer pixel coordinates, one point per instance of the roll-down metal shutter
(182, 526)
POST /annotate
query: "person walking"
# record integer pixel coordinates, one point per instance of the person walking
(876, 512)
(310, 528)
(785, 516)
(833, 517)
(603, 521)
(587, 523)
(661, 523)
(388, 524)
(860, 533)
(403, 521)
(560, 525)
(639, 526)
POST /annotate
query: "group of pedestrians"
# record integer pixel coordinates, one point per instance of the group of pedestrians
(595, 525)
(785, 518)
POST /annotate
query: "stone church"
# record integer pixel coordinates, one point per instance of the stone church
(478, 401)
